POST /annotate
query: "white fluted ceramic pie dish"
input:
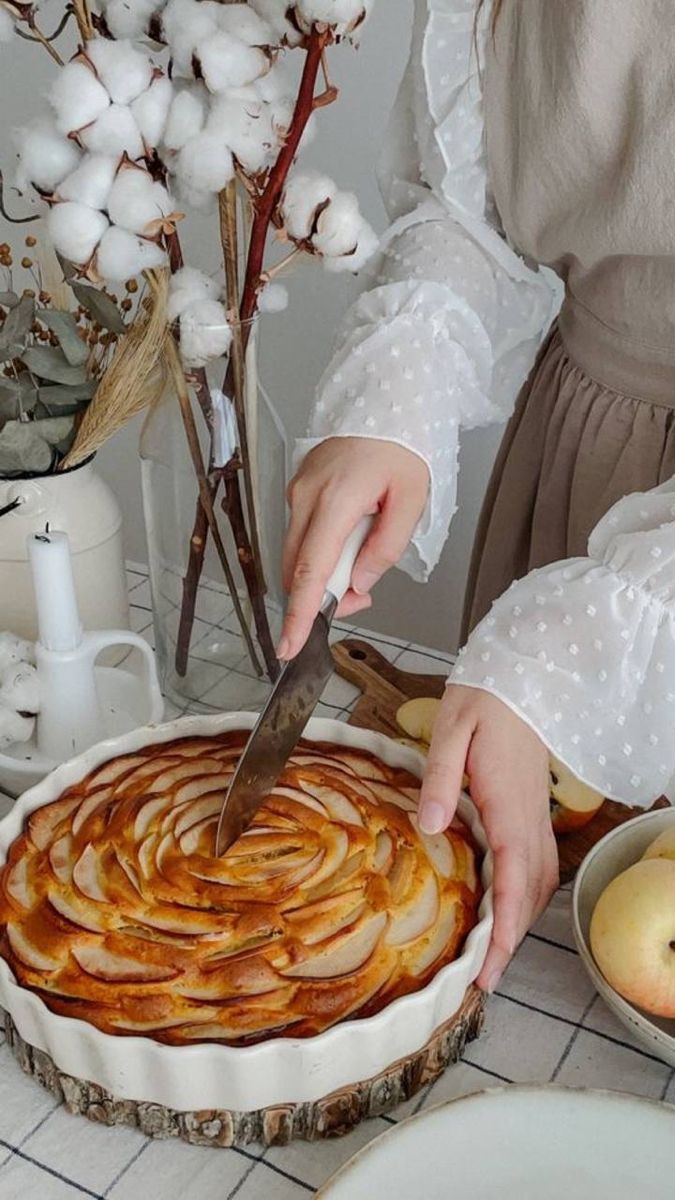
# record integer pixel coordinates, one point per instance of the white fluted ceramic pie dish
(277, 1071)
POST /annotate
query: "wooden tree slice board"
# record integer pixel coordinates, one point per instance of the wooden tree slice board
(385, 688)
(332, 1116)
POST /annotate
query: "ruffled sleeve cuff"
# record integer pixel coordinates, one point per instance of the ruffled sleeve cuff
(584, 651)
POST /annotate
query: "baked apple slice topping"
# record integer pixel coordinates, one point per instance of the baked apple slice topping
(115, 909)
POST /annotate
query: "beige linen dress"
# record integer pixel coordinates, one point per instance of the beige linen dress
(580, 129)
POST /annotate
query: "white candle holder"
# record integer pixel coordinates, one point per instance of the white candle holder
(80, 702)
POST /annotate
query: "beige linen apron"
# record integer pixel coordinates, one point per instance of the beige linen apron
(580, 128)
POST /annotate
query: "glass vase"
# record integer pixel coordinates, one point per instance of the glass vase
(217, 596)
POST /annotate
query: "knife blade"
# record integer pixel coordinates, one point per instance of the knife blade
(292, 702)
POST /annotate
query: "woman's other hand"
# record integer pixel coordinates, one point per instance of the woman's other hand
(339, 482)
(508, 769)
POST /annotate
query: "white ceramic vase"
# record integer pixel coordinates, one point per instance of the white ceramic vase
(83, 506)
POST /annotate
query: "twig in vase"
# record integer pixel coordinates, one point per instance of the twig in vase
(205, 492)
(205, 516)
(264, 208)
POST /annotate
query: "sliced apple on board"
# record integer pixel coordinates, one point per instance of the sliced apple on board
(573, 804)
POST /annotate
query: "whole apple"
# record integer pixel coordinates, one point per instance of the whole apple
(663, 846)
(633, 935)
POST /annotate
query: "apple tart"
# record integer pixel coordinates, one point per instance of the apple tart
(115, 910)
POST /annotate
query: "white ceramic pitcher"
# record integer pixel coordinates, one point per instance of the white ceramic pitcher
(81, 504)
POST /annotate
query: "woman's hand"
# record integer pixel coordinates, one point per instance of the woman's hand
(340, 481)
(508, 768)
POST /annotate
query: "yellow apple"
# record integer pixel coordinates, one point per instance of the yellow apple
(417, 718)
(573, 803)
(663, 846)
(633, 935)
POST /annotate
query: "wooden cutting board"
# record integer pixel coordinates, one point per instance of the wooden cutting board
(384, 688)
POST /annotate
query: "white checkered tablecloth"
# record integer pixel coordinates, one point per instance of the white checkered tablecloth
(544, 1024)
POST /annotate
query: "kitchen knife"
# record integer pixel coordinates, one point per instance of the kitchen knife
(293, 700)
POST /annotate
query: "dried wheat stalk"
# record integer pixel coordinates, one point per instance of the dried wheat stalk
(134, 380)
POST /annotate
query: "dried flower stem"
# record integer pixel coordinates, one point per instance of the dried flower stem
(272, 194)
(25, 13)
(230, 243)
(283, 266)
(205, 492)
(264, 208)
(205, 514)
(83, 18)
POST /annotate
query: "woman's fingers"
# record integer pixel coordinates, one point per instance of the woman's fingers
(445, 768)
(316, 558)
(388, 539)
(340, 481)
(508, 768)
(512, 868)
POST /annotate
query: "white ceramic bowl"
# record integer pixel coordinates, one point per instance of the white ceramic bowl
(616, 852)
(283, 1070)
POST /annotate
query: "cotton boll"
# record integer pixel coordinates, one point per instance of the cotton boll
(305, 192)
(196, 199)
(186, 23)
(197, 15)
(205, 163)
(338, 226)
(14, 728)
(204, 332)
(227, 63)
(122, 255)
(367, 243)
(91, 181)
(137, 203)
(280, 80)
(123, 70)
(246, 126)
(186, 117)
(129, 18)
(19, 689)
(243, 23)
(278, 89)
(115, 133)
(274, 11)
(342, 15)
(14, 651)
(188, 285)
(6, 27)
(45, 157)
(150, 111)
(77, 97)
(273, 298)
(76, 230)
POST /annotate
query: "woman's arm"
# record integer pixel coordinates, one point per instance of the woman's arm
(577, 658)
(584, 652)
(443, 340)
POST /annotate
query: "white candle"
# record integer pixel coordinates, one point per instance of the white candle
(59, 626)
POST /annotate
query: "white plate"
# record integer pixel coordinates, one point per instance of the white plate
(617, 851)
(520, 1143)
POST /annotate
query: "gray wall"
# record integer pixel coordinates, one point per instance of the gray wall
(296, 344)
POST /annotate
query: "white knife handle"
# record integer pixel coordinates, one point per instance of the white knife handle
(339, 582)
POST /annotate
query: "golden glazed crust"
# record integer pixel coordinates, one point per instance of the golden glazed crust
(114, 908)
